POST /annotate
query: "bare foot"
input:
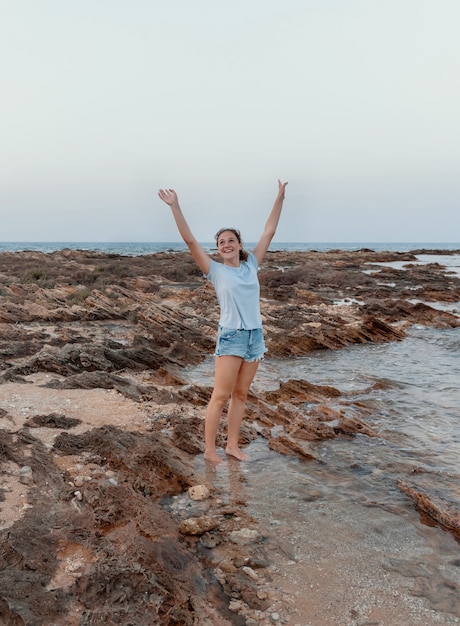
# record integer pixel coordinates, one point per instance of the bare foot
(213, 457)
(237, 453)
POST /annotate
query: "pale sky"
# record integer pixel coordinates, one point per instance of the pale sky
(355, 102)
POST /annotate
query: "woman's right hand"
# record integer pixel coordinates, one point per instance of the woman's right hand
(201, 258)
(169, 196)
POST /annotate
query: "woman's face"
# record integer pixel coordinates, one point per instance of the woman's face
(228, 245)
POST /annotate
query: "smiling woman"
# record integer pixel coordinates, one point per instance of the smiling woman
(234, 233)
(240, 341)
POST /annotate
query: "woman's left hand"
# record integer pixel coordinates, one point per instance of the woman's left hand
(281, 188)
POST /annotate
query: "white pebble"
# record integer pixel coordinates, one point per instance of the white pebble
(198, 492)
(251, 573)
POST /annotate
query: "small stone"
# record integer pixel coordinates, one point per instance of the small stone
(79, 481)
(220, 576)
(208, 541)
(227, 567)
(198, 525)
(236, 605)
(198, 492)
(258, 562)
(228, 510)
(26, 476)
(239, 561)
(275, 617)
(78, 495)
(250, 572)
(244, 536)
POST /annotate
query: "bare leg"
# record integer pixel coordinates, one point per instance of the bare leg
(226, 375)
(236, 407)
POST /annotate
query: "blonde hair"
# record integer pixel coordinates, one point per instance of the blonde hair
(243, 253)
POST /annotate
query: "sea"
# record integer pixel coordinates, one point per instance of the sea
(139, 248)
(345, 541)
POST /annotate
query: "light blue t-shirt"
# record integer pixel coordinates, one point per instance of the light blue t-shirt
(238, 293)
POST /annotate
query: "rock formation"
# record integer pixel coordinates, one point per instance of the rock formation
(100, 428)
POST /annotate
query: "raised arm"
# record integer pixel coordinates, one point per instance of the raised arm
(271, 225)
(201, 258)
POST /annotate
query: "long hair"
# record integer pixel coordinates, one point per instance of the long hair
(243, 253)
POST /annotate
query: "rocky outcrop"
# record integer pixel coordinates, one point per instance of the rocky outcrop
(105, 530)
(438, 508)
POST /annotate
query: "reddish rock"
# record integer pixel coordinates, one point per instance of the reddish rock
(439, 510)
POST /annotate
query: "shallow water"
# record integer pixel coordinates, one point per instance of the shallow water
(344, 515)
(418, 410)
(450, 262)
(347, 549)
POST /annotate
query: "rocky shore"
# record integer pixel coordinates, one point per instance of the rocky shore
(104, 518)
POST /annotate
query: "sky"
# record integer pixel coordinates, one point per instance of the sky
(356, 103)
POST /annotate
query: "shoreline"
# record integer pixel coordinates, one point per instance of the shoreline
(145, 248)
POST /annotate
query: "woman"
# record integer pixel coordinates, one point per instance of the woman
(240, 343)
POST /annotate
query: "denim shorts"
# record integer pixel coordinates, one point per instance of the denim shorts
(247, 344)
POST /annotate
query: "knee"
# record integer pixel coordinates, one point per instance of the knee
(240, 394)
(219, 399)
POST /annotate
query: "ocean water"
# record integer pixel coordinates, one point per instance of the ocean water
(138, 248)
(354, 549)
